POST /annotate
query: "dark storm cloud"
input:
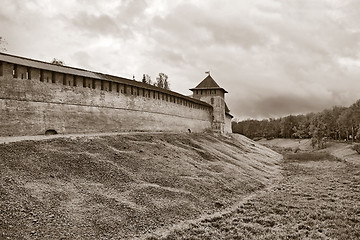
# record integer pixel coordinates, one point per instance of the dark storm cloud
(121, 22)
(98, 25)
(274, 106)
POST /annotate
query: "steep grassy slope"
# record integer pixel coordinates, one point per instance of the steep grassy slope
(124, 186)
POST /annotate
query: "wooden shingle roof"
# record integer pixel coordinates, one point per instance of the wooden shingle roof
(208, 83)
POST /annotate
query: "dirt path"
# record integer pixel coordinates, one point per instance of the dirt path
(4, 140)
(318, 198)
(165, 232)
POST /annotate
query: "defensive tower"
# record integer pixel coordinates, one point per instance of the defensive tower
(210, 92)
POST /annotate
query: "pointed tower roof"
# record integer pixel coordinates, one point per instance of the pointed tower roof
(208, 83)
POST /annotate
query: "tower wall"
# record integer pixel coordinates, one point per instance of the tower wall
(218, 113)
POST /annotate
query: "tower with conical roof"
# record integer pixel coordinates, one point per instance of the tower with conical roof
(209, 91)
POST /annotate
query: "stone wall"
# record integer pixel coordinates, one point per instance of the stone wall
(227, 127)
(34, 100)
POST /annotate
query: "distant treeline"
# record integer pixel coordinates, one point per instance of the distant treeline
(338, 123)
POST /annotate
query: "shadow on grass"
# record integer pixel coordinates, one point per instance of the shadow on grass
(310, 156)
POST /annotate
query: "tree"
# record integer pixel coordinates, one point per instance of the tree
(146, 79)
(57, 62)
(162, 81)
(288, 126)
(2, 44)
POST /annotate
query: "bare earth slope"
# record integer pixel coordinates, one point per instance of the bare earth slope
(124, 186)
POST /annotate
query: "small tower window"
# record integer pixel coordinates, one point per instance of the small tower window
(41, 75)
(28, 73)
(15, 71)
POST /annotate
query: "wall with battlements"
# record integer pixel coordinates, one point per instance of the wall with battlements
(34, 100)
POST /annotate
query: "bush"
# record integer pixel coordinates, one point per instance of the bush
(357, 148)
(309, 156)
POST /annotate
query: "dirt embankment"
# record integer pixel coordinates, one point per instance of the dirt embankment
(124, 186)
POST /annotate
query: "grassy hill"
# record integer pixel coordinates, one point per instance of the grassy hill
(124, 186)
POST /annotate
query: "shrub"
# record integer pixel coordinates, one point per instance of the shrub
(309, 156)
(357, 148)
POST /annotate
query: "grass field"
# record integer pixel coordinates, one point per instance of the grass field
(317, 198)
(124, 186)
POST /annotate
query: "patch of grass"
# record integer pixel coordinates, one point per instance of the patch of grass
(309, 156)
(356, 147)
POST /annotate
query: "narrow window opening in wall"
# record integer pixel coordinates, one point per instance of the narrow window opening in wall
(93, 84)
(212, 100)
(84, 82)
(143, 92)
(47, 79)
(15, 71)
(166, 97)
(22, 76)
(110, 86)
(102, 85)
(137, 91)
(125, 89)
(53, 77)
(200, 92)
(1, 69)
(64, 79)
(117, 87)
(75, 78)
(28, 73)
(131, 90)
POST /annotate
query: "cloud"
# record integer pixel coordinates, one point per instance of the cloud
(275, 57)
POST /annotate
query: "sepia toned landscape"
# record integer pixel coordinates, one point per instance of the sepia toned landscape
(179, 119)
(171, 186)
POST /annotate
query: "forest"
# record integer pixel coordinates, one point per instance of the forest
(337, 123)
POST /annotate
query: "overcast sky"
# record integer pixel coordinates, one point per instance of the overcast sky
(274, 57)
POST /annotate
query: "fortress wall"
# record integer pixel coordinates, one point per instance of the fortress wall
(33, 118)
(70, 104)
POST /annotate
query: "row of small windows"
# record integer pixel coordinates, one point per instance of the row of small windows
(201, 92)
(72, 80)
